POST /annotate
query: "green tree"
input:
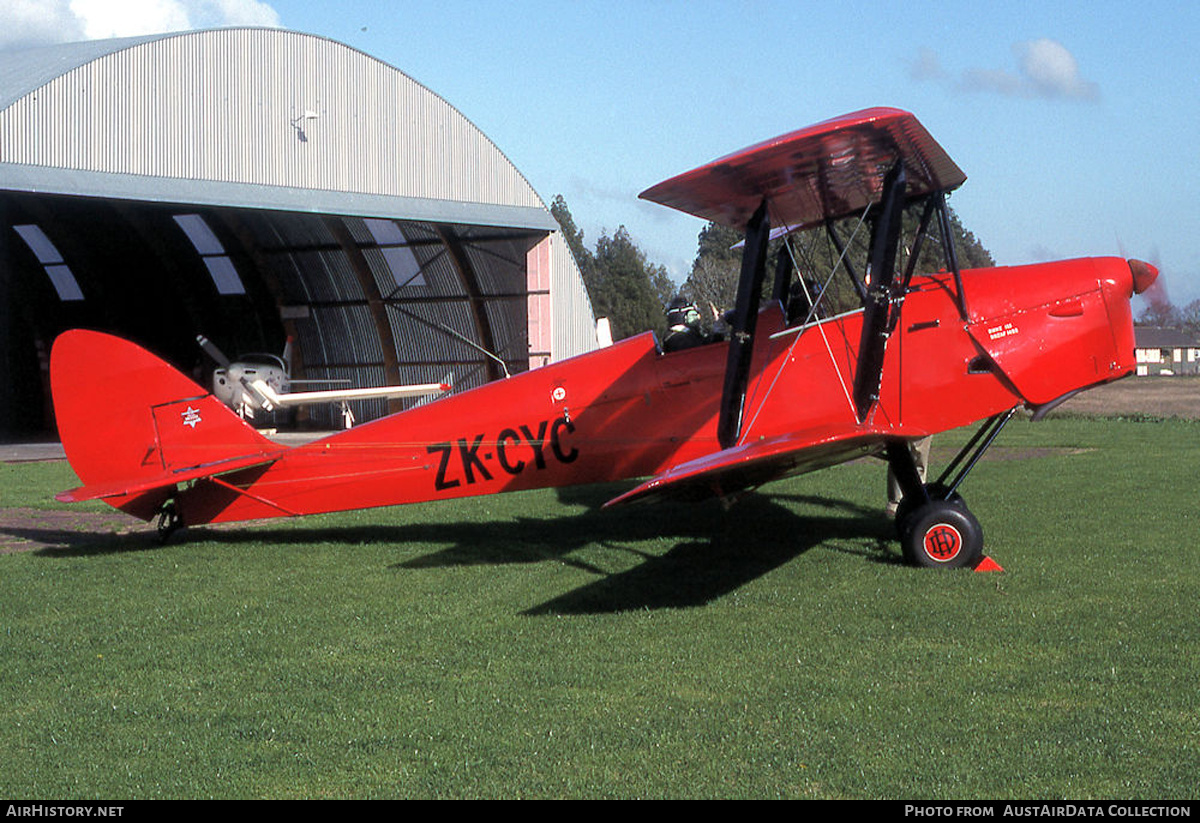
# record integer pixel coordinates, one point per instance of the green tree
(970, 252)
(714, 276)
(626, 288)
(622, 283)
(717, 265)
(574, 237)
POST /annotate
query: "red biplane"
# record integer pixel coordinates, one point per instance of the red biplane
(923, 354)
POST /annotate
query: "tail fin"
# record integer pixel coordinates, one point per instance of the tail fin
(132, 426)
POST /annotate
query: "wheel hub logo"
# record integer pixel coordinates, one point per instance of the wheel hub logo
(943, 543)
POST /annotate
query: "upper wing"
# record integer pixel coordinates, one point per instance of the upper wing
(827, 171)
(761, 461)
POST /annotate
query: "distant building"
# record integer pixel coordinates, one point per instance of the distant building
(261, 185)
(1163, 351)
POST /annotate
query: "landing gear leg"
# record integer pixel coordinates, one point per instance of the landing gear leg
(935, 527)
(169, 521)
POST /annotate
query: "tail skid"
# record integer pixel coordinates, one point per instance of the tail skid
(133, 427)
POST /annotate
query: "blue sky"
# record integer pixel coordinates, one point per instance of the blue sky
(1077, 123)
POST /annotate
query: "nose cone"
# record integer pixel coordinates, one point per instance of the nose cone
(1144, 275)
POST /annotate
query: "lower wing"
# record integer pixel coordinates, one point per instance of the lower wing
(752, 464)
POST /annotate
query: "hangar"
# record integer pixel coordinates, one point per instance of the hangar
(257, 186)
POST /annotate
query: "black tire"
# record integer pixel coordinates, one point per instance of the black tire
(939, 492)
(169, 522)
(908, 506)
(943, 535)
(904, 515)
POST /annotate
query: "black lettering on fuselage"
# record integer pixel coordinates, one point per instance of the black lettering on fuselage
(517, 449)
(509, 436)
(470, 459)
(556, 441)
(440, 482)
(538, 457)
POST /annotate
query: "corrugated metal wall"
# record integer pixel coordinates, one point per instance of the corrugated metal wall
(204, 108)
(574, 323)
(358, 318)
(295, 113)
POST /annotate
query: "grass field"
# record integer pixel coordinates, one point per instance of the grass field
(533, 646)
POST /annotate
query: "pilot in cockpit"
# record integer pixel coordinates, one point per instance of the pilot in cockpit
(801, 296)
(683, 326)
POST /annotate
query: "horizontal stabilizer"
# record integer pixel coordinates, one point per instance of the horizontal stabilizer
(748, 466)
(162, 480)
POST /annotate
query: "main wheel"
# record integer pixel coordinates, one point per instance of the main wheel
(942, 534)
(910, 505)
(169, 521)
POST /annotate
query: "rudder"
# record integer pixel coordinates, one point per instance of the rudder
(132, 425)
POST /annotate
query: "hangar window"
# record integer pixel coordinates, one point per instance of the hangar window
(401, 261)
(47, 253)
(220, 267)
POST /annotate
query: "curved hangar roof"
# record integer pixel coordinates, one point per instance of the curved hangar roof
(257, 184)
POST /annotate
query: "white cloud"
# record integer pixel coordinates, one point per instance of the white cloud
(1053, 71)
(125, 18)
(926, 66)
(207, 13)
(38, 22)
(29, 22)
(1045, 68)
(996, 81)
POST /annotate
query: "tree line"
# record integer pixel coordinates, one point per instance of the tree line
(632, 292)
(1161, 312)
(621, 282)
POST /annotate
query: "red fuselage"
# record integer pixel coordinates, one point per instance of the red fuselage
(1032, 335)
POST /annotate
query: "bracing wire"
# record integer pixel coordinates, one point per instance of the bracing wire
(813, 306)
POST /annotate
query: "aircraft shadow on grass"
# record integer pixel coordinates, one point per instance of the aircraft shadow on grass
(714, 551)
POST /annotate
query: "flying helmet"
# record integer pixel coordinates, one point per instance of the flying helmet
(681, 312)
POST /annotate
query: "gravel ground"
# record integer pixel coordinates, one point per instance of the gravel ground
(1156, 396)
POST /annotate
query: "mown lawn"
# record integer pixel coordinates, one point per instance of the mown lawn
(532, 645)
